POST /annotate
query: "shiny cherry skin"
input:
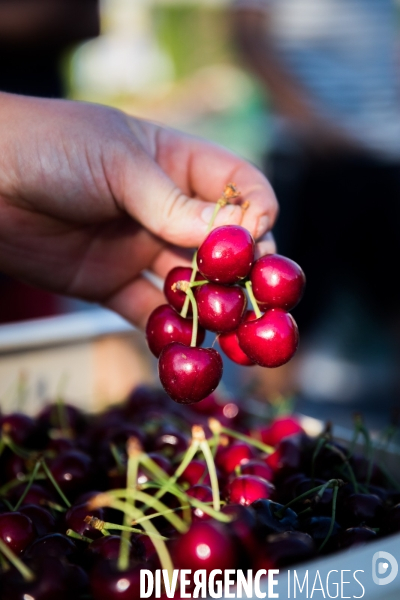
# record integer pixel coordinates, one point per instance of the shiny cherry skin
(75, 519)
(18, 427)
(221, 308)
(280, 428)
(176, 298)
(205, 546)
(165, 325)
(287, 457)
(229, 343)
(71, 470)
(271, 340)
(170, 442)
(108, 547)
(43, 521)
(16, 530)
(204, 494)
(355, 536)
(283, 549)
(242, 528)
(257, 467)
(55, 545)
(189, 374)
(232, 456)
(108, 583)
(246, 489)
(226, 255)
(195, 473)
(278, 282)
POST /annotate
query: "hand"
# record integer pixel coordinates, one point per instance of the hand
(90, 197)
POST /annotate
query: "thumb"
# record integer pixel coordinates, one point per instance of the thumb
(165, 210)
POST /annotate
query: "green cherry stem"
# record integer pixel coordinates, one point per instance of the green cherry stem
(26, 573)
(32, 478)
(334, 502)
(55, 484)
(216, 427)
(205, 448)
(253, 301)
(133, 451)
(319, 489)
(195, 325)
(77, 536)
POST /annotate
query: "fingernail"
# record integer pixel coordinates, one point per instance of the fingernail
(207, 213)
(262, 226)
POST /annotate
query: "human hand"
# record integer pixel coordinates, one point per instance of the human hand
(90, 197)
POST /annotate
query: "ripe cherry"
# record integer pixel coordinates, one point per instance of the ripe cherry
(277, 281)
(221, 308)
(234, 455)
(51, 581)
(246, 489)
(108, 583)
(165, 325)
(189, 374)
(226, 255)
(55, 545)
(356, 536)
(271, 340)
(269, 519)
(18, 427)
(71, 470)
(43, 521)
(204, 494)
(16, 530)
(75, 519)
(205, 546)
(229, 343)
(283, 549)
(176, 298)
(196, 472)
(280, 428)
(257, 467)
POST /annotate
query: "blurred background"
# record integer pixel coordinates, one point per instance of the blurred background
(308, 90)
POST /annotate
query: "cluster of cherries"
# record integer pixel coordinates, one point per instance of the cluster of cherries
(87, 502)
(223, 268)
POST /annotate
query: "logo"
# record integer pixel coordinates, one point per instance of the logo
(380, 565)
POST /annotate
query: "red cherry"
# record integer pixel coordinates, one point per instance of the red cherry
(165, 325)
(195, 473)
(204, 546)
(257, 467)
(16, 530)
(221, 308)
(234, 455)
(281, 427)
(176, 298)
(17, 426)
(229, 343)
(226, 255)
(108, 583)
(204, 494)
(271, 340)
(246, 489)
(189, 374)
(277, 281)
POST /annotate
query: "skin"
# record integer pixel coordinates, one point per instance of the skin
(90, 198)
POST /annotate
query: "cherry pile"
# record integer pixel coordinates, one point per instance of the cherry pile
(87, 501)
(223, 268)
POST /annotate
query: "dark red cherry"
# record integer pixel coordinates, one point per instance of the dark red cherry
(280, 428)
(37, 494)
(362, 509)
(170, 442)
(165, 325)
(189, 374)
(234, 455)
(242, 528)
(108, 583)
(283, 549)
(356, 536)
(204, 494)
(18, 427)
(221, 308)
(71, 470)
(205, 546)
(226, 255)
(229, 343)
(319, 527)
(246, 489)
(269, 519)
(55, 545)
(258, 467)
(176, 298)
(43, 521)
(287, 457)
(277, 281)
(109, 546)
(50, 583)
(144, 475)
(16, 530)
(75, 519)
(271, 340)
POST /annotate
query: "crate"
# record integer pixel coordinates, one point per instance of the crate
(95, 358)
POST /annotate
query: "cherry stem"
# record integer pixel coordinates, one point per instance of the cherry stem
(28, 485)
(185, 306)
(205, 448)
(334, 501)
(187, 458)
(55, 484)
(197, 283)
(134, 452)
(319, 489)
(128, 528)
(77, 536)
(26, 573)
(345, 460)
(134, 513)
(192, 299)
(216, 426)
(253, 301)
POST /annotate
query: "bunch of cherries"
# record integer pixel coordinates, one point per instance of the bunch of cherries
(211, 296)
(88, 501)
